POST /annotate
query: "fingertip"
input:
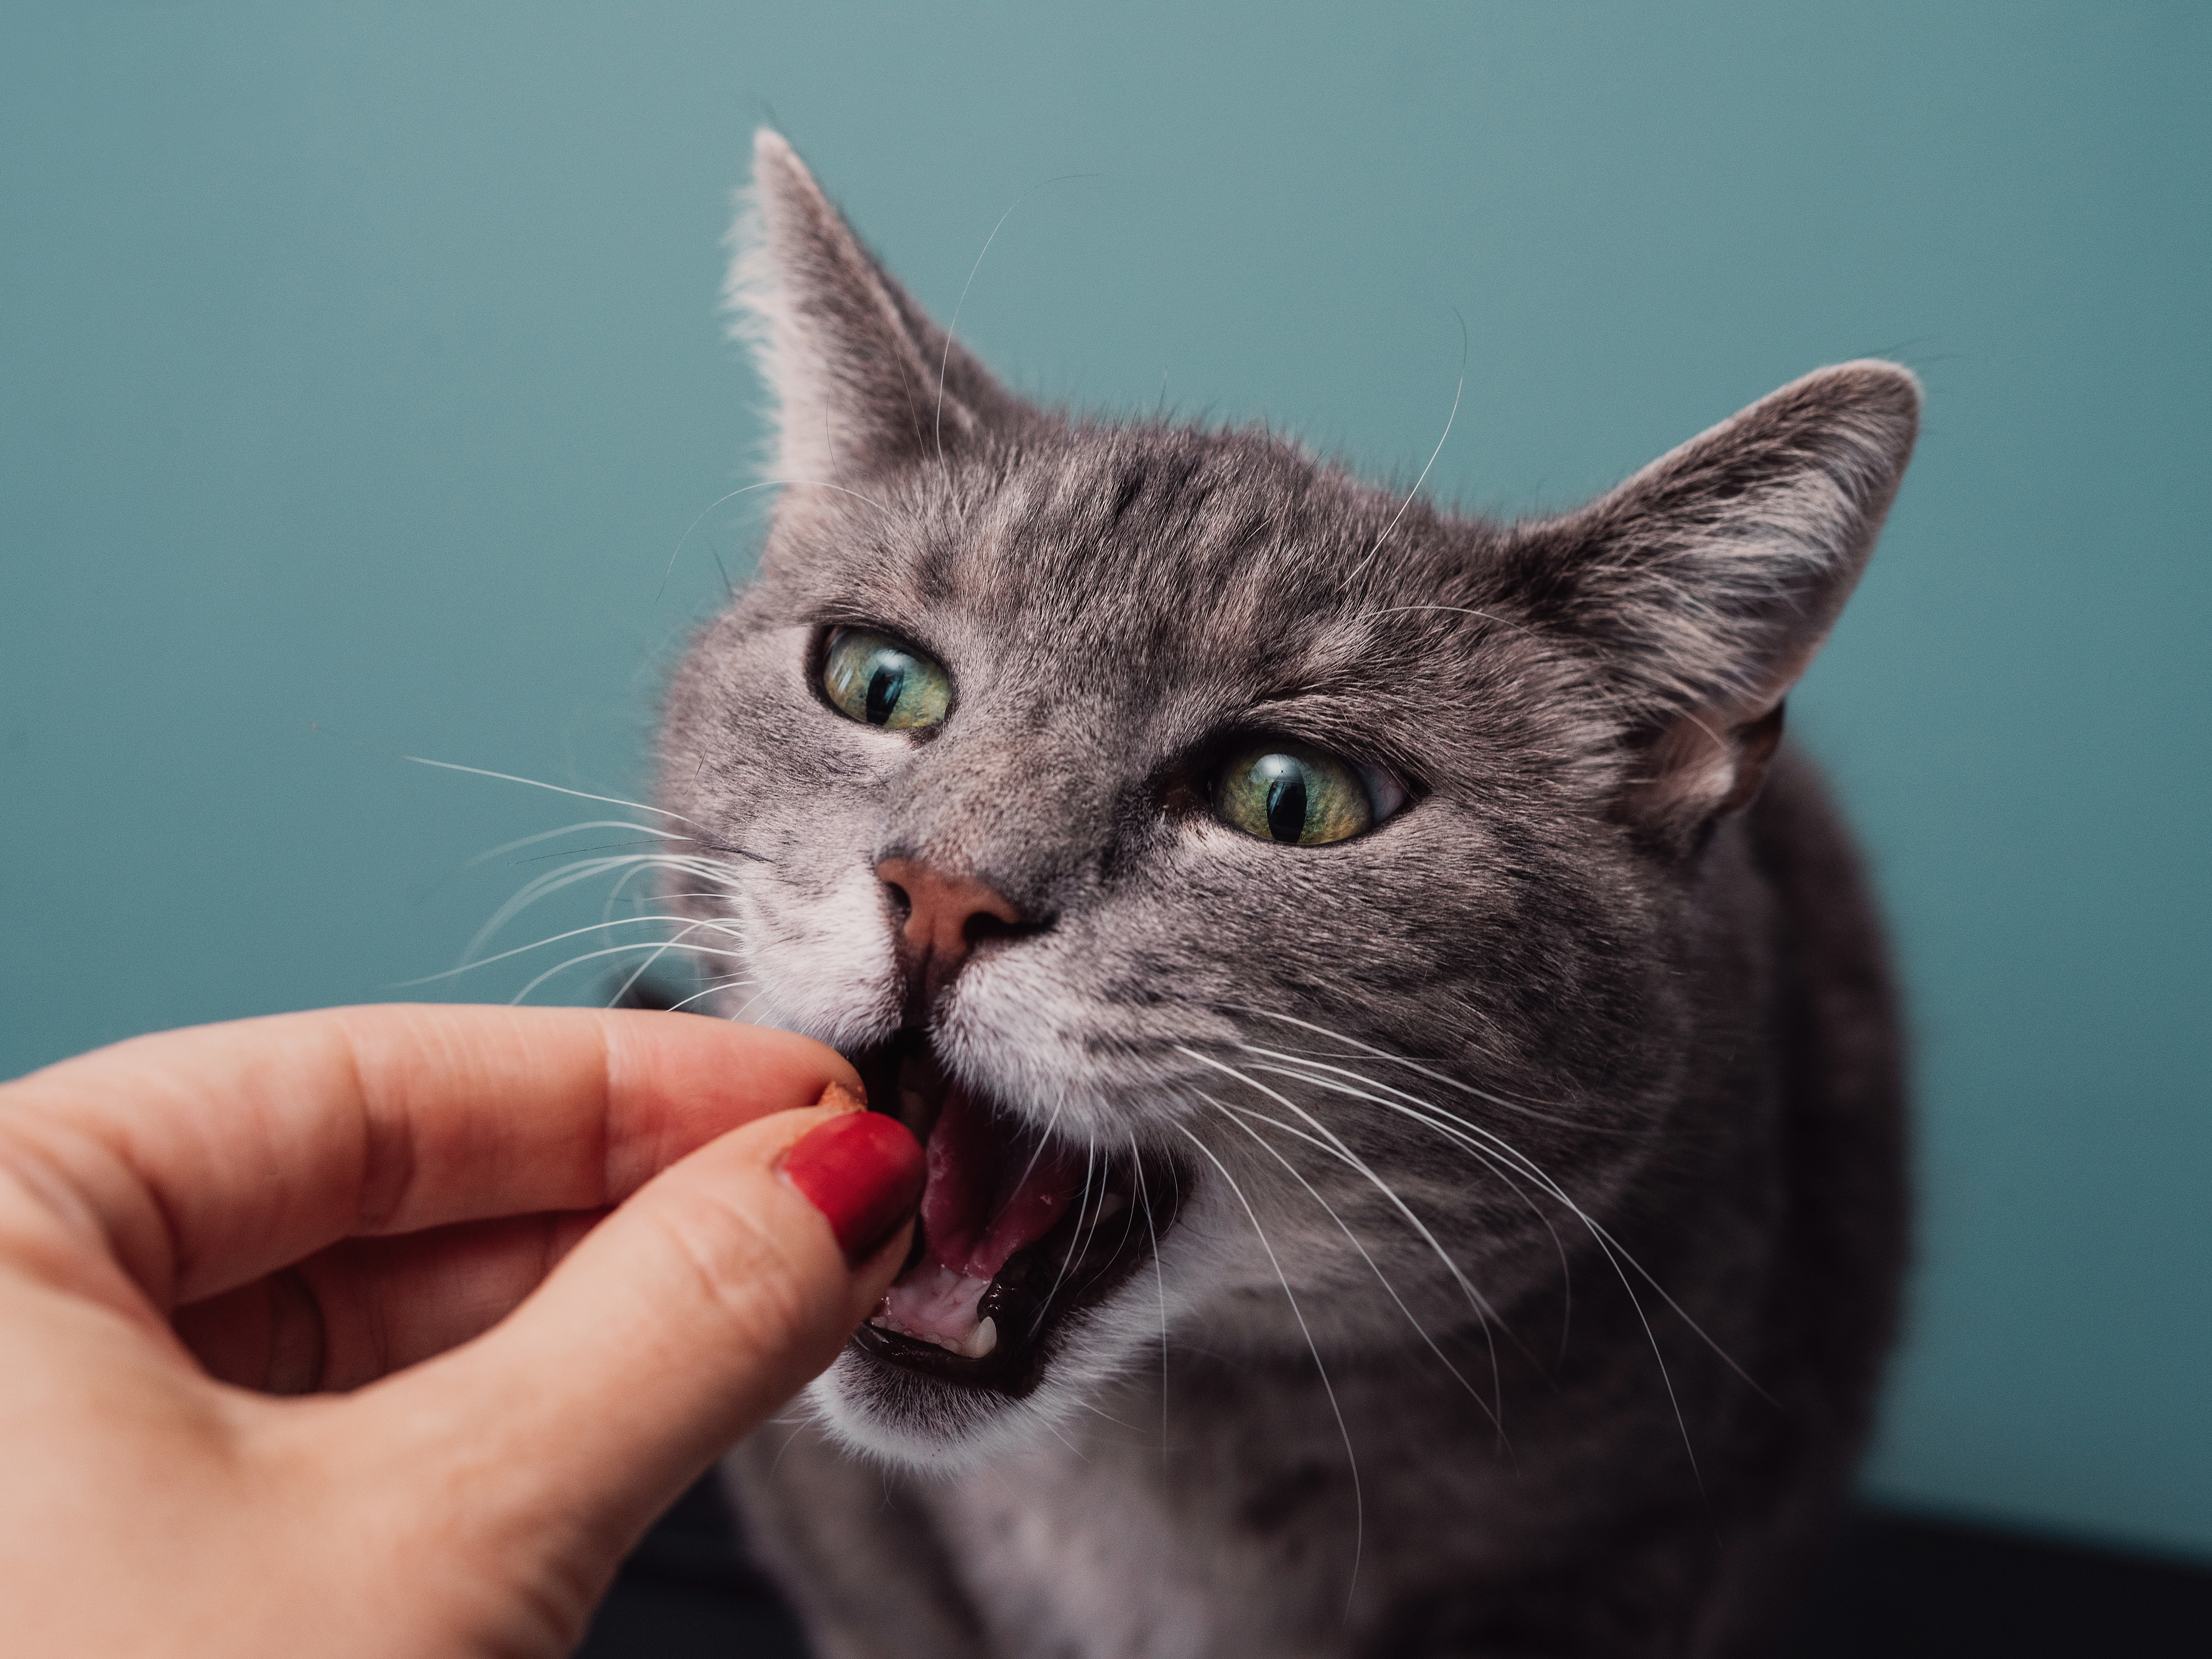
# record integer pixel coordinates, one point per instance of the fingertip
(864, 1172)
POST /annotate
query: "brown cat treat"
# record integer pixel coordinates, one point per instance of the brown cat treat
(840, 1097)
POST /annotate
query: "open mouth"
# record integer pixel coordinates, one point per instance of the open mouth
(1017, 1231)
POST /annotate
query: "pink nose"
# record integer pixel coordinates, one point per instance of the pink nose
(945, 917)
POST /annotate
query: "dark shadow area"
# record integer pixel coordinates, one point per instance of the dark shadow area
(1899, 1587)
(684, 1593)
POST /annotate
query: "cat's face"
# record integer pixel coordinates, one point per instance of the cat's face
(1120, 621)
(1250, 886)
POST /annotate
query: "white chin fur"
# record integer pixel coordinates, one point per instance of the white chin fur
(984, 1427)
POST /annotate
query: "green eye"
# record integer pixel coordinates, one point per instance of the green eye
(872, 678)
(1289, 793)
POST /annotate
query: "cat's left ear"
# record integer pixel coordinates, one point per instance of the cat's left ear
(1705, 583)
(863, 380)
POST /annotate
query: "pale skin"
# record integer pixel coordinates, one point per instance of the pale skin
(545, 1271)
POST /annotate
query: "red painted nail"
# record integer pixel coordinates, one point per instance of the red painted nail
(864, 1172)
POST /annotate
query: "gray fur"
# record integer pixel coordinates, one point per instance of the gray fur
(1650, 993)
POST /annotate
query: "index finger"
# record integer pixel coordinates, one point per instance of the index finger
(211, 1156)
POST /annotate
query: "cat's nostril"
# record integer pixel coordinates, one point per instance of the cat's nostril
(984, 925)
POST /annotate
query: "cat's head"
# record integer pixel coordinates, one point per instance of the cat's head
(1254, 885)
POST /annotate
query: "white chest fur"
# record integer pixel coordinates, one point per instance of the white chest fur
(1075, 1553)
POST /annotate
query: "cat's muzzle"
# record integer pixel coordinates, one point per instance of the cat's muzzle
(1019, 1231)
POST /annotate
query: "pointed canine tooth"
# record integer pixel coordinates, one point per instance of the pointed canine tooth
(1112, 1204)
(981, 1341)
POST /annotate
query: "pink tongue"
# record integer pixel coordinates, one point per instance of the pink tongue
(987, 1194)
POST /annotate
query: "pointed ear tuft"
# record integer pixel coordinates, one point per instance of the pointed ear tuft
(1708, 580)
(862, 380)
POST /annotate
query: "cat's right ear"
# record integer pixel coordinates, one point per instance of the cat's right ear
(1705, 583)
(863, 380)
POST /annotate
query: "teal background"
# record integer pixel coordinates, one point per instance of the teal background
(360, 372)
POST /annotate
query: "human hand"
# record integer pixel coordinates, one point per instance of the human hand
(541, 1266)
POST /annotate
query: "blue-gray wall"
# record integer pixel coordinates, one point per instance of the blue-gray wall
(359, 373)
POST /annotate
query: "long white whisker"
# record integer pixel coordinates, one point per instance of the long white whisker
(777, 1462)
(504, 848)
(539, 945)
(541, 886)
(725, 881)
(1076, 1241)
(952, 328)
(1486, 1314)
(1064, 1440)
(1043, 1139)
(1374, 1053)
(1098, 1412)
(610, 801)
(1458, 391)
(722, 982)
(739, 1018)
(1460, 1129)
(765, 483)
(1614, 1254)
(645, 967)
(1159, 1283)
(1237, 1116)
(555, 939)
(618, 892)
(945, 357)
(1359, 1500)
(1128, 1226)
(1476, 1300)
(650, 838)
(617, 950)
(568, 875)
(1310, 1071)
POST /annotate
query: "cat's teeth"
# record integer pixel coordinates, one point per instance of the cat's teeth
(1112, 1204)
(981, 1341)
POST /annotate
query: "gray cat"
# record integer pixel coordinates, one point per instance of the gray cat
(1408, 1065)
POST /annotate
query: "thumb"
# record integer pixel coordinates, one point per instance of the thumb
(688, 1317)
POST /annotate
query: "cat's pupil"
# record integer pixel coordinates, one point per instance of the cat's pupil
(883, 688)
(1287, 806)
(872, 678)
(1292, 796)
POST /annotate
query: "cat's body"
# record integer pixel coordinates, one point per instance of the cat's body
(1455, 1169)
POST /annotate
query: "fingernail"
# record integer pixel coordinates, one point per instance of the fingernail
(864, 1172)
